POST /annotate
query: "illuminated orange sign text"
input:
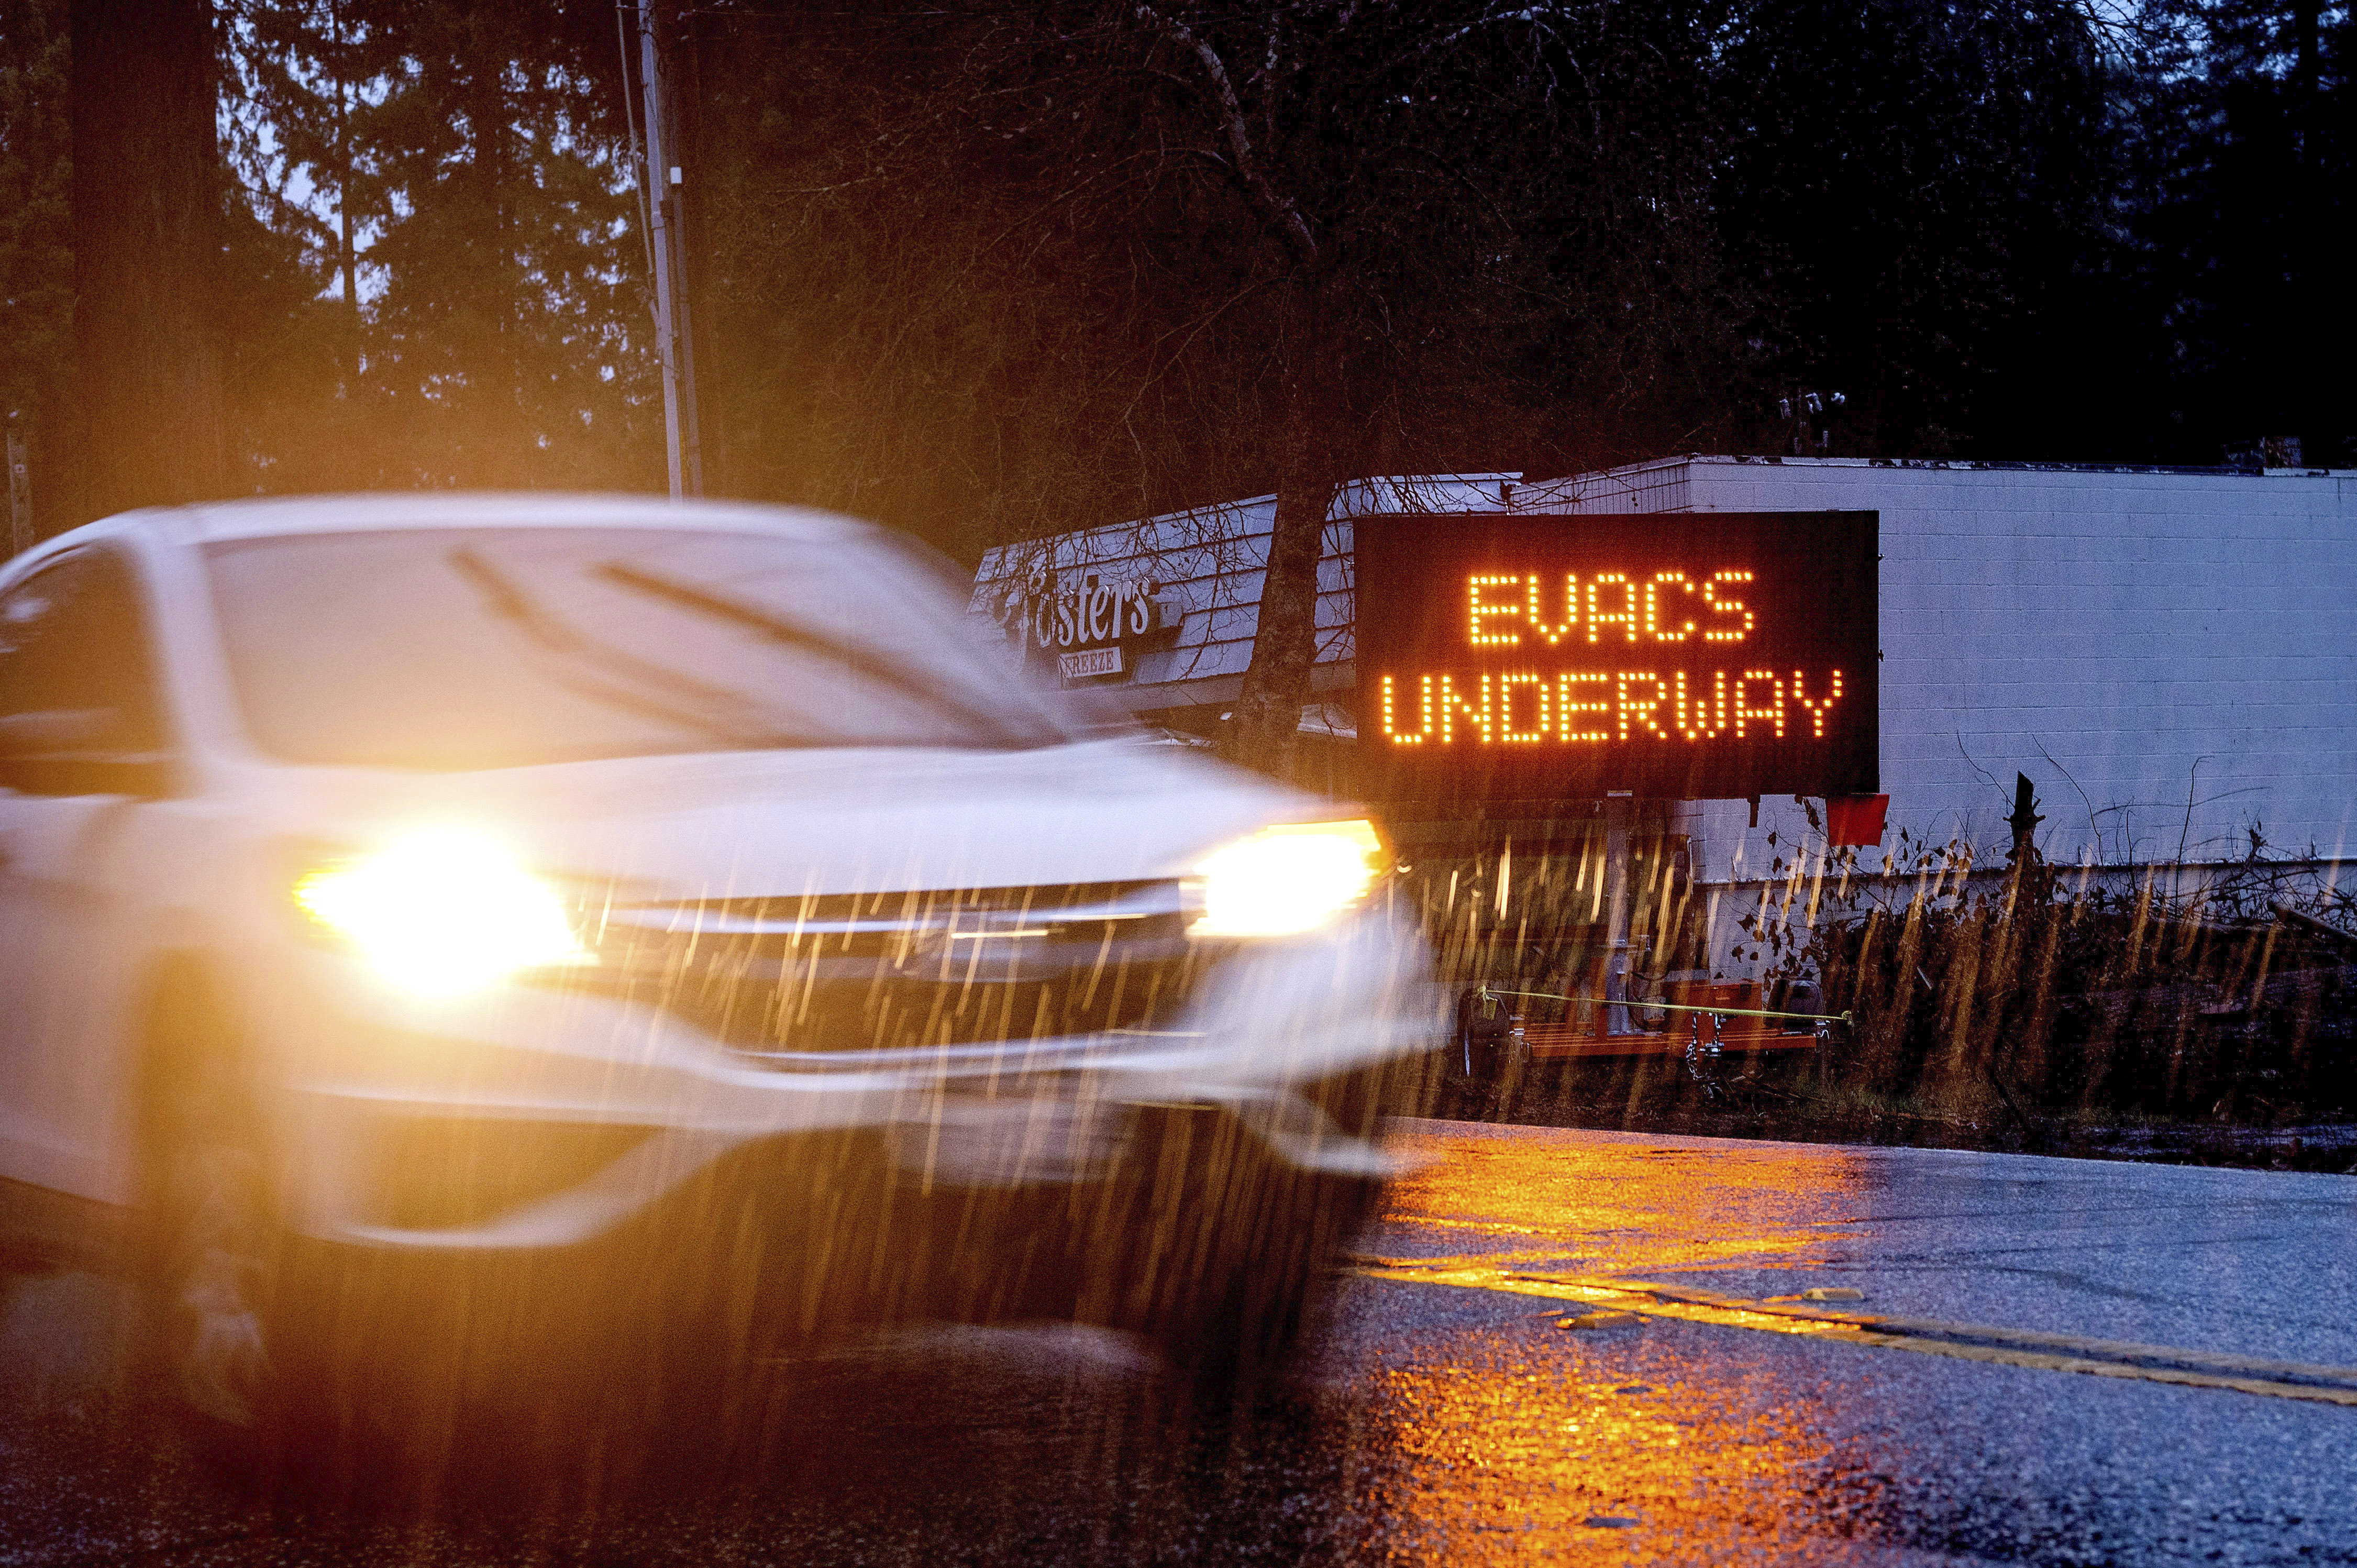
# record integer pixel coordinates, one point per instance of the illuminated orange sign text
(1573, 705)
(1689, 656)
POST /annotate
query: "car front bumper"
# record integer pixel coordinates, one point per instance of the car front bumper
(531, 1120)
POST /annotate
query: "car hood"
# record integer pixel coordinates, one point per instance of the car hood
(765, 823)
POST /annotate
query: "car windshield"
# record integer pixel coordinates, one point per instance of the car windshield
(457, 649)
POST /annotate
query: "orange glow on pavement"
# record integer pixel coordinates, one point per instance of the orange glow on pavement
(1523, 1442)
(1633, 1206)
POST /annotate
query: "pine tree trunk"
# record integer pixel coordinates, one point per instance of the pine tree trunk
(1265, 732)
(146, 196)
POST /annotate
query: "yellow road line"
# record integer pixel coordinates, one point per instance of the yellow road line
(1927, 1337)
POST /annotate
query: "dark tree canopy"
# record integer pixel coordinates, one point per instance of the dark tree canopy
(995, 269)
(1026, 239)
(2241, 126)
(1032, 265)
(1910, 189)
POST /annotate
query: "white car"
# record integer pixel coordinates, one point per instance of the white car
(512, 920)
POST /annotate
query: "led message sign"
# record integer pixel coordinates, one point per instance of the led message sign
(1693, 655)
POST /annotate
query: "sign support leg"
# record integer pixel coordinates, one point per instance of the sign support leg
(1618, 959)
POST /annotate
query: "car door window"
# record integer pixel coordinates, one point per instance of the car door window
(77, 675)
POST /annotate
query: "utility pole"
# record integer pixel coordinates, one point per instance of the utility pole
(682, 447)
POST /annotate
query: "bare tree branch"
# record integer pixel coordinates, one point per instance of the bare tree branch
(1278, 204)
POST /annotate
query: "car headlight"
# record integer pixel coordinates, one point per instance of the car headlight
(442, 912)
(1288, 879)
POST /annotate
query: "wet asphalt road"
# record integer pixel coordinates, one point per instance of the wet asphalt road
(1442, 1423)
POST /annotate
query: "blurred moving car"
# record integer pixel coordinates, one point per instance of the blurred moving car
(488, 921)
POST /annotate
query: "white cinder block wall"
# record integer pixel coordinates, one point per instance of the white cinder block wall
(2170, 656)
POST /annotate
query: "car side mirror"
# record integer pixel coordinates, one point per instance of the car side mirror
(77, 751)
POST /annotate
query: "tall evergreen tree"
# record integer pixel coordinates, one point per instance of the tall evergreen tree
(147, 279)
(36, 236)
(506, 340)
(454, 181)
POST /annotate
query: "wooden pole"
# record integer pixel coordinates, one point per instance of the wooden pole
(659, 203)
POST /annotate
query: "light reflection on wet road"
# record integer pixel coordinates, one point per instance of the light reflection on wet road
(1627, 1206)
(1442, 1425)
(1525, 1436)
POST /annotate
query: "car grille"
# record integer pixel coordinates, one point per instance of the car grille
(786, 979)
